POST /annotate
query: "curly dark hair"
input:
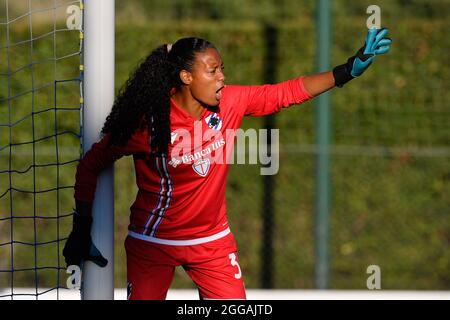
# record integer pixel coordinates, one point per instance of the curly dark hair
(144, 99)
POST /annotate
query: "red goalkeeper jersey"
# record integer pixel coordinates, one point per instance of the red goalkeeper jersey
(181, 194)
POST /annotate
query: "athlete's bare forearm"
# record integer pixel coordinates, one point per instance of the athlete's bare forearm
(318, 83)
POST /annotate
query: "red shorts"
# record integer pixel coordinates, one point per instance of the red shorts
(213, 266)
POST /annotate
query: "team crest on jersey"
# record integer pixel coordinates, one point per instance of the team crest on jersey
(213, 121)
(201, 167)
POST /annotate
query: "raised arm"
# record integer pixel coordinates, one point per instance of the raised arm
(376, 44)
(268, 99)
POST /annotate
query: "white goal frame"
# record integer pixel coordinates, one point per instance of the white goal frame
(98, 90)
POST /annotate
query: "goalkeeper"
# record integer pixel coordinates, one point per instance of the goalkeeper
(179, 216)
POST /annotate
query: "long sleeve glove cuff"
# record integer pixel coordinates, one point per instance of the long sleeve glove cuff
(342, 75)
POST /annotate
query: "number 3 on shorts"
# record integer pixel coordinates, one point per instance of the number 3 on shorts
(232, 257)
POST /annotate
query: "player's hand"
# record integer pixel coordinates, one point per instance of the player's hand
(376, 44)
(79, 246)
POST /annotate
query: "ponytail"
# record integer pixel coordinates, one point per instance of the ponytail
(144, 101)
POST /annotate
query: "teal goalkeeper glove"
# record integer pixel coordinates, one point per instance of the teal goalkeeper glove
(376, 43)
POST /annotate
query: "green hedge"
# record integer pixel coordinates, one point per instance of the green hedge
(389, 207)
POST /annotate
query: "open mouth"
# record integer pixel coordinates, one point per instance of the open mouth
(219, 93)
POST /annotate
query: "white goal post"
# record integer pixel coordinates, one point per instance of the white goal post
(98, 89)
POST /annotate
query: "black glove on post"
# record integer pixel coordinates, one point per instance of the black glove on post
(79, 246)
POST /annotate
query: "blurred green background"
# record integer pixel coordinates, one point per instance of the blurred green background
(390, 155)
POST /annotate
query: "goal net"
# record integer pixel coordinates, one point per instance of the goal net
(40, 146)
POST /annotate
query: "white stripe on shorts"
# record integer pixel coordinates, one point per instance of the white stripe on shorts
(191, 242)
